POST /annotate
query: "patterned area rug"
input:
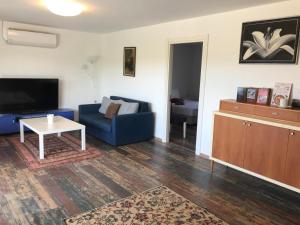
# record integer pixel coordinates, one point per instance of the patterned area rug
(158, 206)
(58, 150)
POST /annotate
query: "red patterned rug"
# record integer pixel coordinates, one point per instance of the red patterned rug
(58, 150)
(158, 206)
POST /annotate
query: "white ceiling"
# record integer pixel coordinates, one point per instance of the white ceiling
(112, 15)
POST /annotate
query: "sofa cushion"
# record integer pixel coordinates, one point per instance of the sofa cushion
(96, 120)
(106, 102)
(128, 108)
(143, 106)
(112, 110)
(104, 105)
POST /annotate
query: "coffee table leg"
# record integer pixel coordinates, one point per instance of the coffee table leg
(83, 139)
(41, 142)
(22, 132)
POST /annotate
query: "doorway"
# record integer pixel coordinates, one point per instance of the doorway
(187, 67)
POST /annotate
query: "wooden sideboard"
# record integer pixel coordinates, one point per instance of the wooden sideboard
(260, 140)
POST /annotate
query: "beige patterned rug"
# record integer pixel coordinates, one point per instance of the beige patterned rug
(158, 206)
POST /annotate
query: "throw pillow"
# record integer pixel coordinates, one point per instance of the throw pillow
(104, 105)
(112, 110)
(177, 101)
(128, 108)
(106, 102)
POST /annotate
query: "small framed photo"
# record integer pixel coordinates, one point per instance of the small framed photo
(241, 94)
(129, 61)
(281, 91)
(270, 41)
(252, 95)
(264, 96)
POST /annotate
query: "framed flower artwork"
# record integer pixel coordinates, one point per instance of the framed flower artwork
(270, 41)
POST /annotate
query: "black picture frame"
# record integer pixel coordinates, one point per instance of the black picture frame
(252, 95)
(129, 61)
(270, 41)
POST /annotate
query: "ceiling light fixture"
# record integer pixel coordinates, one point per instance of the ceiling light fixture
(64, 7)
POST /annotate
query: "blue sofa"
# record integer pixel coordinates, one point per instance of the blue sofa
(122, 129)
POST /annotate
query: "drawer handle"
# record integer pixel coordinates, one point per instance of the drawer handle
(275, 113)
(292, 133)
(236, 107)
(249, 124)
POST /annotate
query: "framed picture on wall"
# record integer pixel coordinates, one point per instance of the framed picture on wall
(129, 60)
(270, 41)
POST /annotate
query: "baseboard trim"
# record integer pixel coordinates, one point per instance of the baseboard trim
(158, 139)
(204, 156)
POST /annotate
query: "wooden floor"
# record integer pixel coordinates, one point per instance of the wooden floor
(176, 136)
(48, 196)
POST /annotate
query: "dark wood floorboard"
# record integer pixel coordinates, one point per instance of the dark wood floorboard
(47, 196)
(176, 136)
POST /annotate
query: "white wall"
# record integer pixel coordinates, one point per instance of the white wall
(186, 70)
(64, 62)
(224, 73)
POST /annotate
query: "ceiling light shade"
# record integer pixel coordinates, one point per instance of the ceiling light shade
(64, 7)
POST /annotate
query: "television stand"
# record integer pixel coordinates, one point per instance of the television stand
(9, 123)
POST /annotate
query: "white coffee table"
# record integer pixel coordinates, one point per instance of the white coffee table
(41, 127)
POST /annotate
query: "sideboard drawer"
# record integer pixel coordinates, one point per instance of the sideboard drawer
(236, 107)
(277, 113)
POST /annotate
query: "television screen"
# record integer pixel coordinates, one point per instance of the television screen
(28, 95)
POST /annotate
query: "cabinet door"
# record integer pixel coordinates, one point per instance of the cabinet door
(266, 149)
(292, 171)
(229, 139)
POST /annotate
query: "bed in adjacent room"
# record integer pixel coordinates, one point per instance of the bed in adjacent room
(184, 111)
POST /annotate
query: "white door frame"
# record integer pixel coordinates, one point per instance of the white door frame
(204, 40)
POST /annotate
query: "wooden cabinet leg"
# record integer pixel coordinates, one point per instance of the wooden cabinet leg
(212, 163)
(184, 130)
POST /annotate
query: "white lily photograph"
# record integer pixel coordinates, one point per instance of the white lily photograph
(270, 41)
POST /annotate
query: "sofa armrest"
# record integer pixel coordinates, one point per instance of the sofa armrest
(89, 108)
(133, 127)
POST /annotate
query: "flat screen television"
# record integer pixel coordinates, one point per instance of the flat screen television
(28, 95)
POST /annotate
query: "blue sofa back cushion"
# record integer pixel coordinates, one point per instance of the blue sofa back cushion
(143, 106)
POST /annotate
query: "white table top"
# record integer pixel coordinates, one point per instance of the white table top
(60, 124)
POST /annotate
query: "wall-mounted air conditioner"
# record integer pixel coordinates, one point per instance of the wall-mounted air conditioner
(16, 36)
